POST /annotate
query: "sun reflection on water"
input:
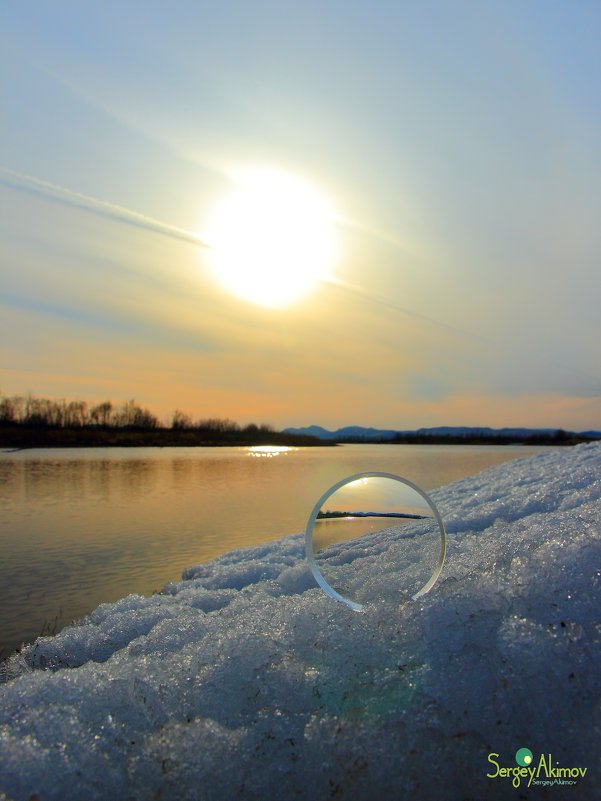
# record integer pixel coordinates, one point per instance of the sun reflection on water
(268, 451)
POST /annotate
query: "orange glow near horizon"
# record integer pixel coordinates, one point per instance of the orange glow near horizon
(326, 409)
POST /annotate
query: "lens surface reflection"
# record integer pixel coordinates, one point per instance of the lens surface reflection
(375, 537)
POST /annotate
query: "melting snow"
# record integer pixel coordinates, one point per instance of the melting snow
(244, 680)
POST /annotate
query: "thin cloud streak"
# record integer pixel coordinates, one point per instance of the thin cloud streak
(111, 211)
(121, 214)
(365, 294)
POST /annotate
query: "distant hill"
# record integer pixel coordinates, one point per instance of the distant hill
(350, 432)
(448, 434)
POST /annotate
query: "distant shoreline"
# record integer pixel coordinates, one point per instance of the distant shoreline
(33, 422)
(449, 435)
(27, 437)
(351, 515)
(23, 437)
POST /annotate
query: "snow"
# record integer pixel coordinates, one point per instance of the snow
(245, 680)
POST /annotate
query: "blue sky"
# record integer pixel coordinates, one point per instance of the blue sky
(459, 142)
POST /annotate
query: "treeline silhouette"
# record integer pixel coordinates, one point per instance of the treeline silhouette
(534, 437)
(556, 437)
(28, 421)
(31, 411)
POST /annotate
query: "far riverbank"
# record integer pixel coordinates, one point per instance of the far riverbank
(22, 437)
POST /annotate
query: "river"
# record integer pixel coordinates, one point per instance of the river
(90, 525)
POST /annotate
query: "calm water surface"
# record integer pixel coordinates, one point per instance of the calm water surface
(84, 526)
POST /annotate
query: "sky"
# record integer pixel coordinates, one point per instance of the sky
(456, 147)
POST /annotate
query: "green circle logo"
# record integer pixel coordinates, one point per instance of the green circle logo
(524, 757)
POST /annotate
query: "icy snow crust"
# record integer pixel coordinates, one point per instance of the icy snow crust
(245, 681)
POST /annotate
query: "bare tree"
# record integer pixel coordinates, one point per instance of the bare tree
(181, 420)
(8, 410)
(130, 415)
(76, 414)
(100, 414)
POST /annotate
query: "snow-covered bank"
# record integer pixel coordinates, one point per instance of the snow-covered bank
(245, 681)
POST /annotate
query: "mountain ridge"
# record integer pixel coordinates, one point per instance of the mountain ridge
(444, 433)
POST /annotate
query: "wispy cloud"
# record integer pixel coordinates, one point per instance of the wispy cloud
(494, 346)
(112, 211)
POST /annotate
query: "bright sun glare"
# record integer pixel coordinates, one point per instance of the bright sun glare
(272, 238)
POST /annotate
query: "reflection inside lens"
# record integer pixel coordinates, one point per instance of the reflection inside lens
(375, 537)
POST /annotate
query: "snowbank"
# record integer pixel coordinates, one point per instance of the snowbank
(244, 680)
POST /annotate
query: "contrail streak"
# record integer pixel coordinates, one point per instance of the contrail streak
(112, 211)
(365, 294)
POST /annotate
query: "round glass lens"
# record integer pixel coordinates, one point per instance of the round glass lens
(375, 537)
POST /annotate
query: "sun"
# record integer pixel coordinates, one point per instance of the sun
(272, 238)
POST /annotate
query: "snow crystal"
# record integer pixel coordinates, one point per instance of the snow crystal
(245, 680)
